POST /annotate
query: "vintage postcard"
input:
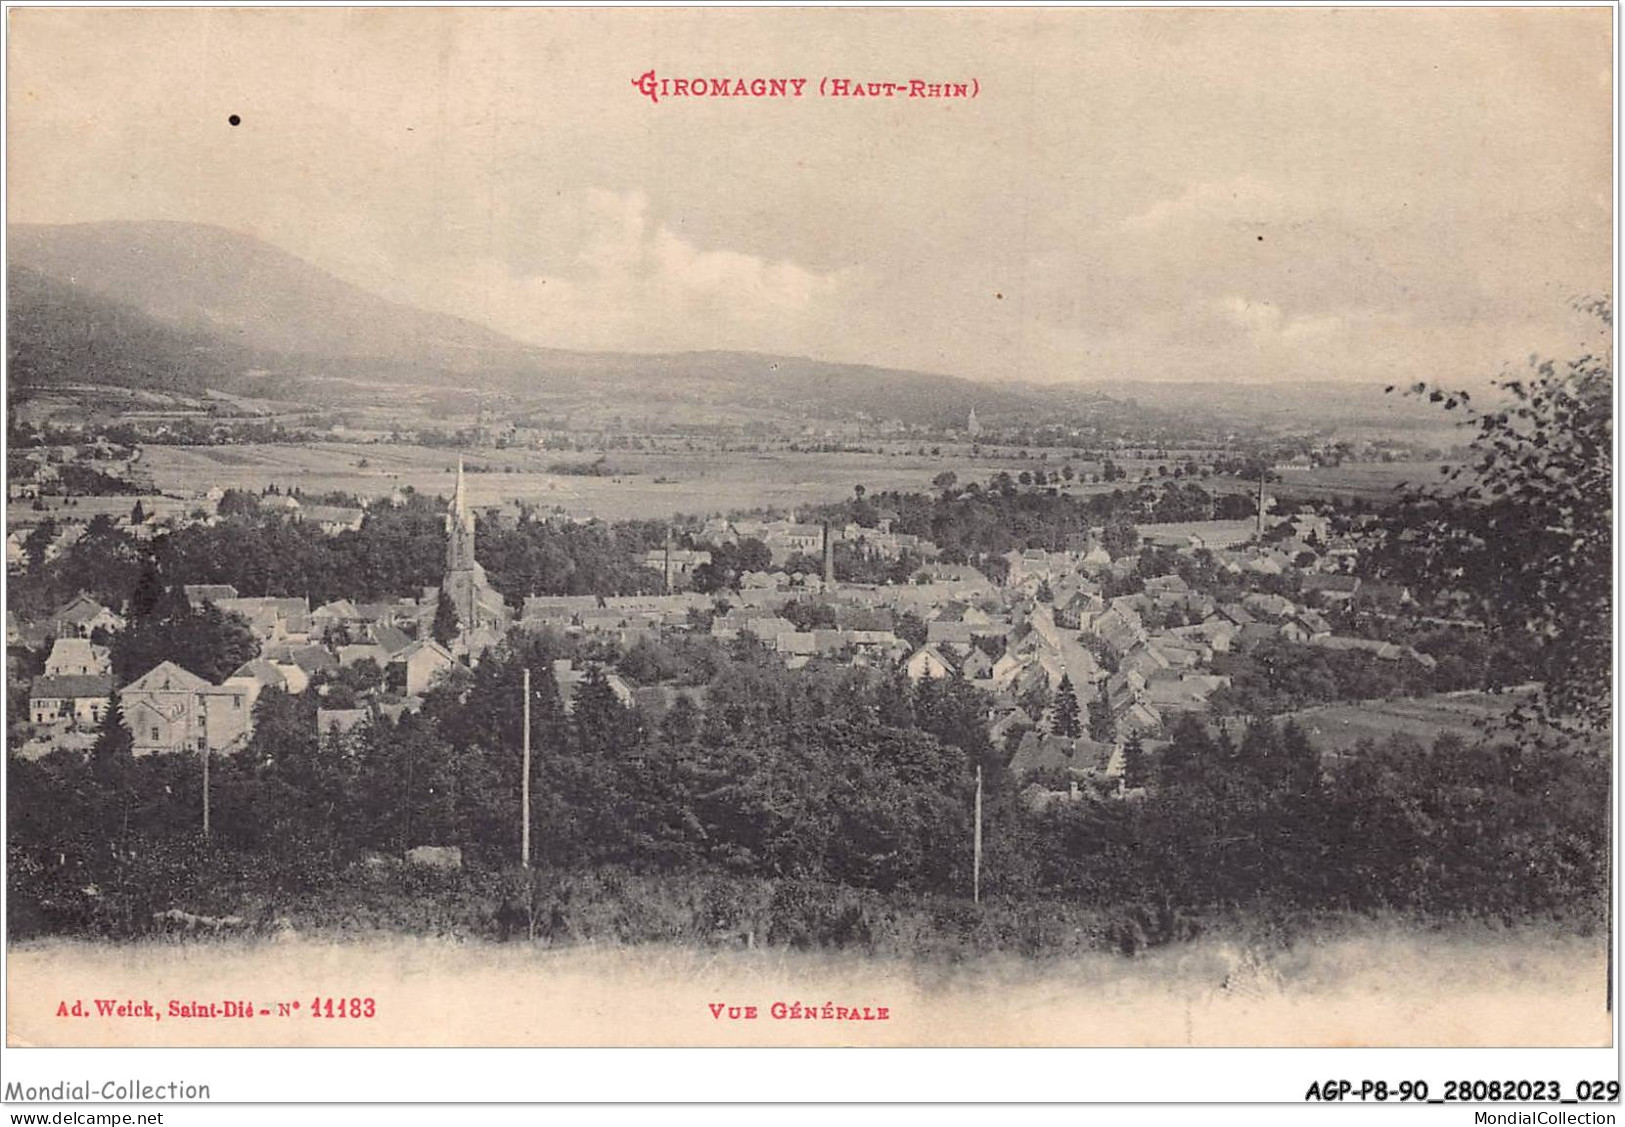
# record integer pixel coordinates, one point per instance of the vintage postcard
(612, 527)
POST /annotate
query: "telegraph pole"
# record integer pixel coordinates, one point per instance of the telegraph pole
(524, 785)
(976, 869)
(205, 788)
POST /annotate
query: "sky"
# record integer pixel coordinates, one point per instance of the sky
(1281, 196)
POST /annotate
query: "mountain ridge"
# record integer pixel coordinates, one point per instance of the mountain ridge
(230, 301)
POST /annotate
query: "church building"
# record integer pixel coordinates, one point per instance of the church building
(482, 614)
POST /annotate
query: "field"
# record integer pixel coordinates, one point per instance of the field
(1339, 727)
(1364, 983)
(653, 484)
(1373, 481)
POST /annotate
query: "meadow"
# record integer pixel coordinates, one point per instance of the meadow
(651, 484)
(1370, 481)
(1340, 727)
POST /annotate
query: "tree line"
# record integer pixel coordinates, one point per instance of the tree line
(831, 777)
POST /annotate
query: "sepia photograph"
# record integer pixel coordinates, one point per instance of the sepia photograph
(810, 527)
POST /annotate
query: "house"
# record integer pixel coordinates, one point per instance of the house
(1082, 606)
(680, 561)
(1033, 564)
(976, 666)
(1182, 692)
(77, 657)
(1276, 608)
(965, 577)
(928, 661)
(391, 639)
(1096, 559)
(265, 675)
(556, 610)
(1125, 684)
(366, 651)
(79, 699)
(309, 658)
(1332, 588)
(1144, 660)
(1305, 626)
(1078, 758)
(1181, 653)
(329, 618)
(199, 593)
(1119, 628)
(272, 619)
(83, 616)
(169, 708)
(414, 669)
(803, 643)
(1217, 633)
(765, 627)
(1210, 534)
(1136, 716)
(331, 519)
(1167, 589)
(940, 632)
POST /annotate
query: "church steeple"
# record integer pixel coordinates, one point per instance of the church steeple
(481, 612)
(459, 528)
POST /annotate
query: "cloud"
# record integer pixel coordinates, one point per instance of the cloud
(636, 282)
(1267, 323)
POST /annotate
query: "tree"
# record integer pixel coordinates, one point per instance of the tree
(1101, 726)
(110, 755)
(149, 589)
(207, 641)
(1136, 772)
(1067, 722)
(138, 514)
(945, 481)
(1519, 536)
(751, 554)
(445, 626)
(910, 627)
(38, 542)
(1119, 537)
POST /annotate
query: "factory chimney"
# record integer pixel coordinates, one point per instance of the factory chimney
(668, 559)
(1261, 474)
(829, 559)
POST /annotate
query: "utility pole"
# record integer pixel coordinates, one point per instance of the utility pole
(524, 785)
(205, 787)
(976, 869)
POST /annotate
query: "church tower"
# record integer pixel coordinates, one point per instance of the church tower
(482, 614)
(459, 530)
